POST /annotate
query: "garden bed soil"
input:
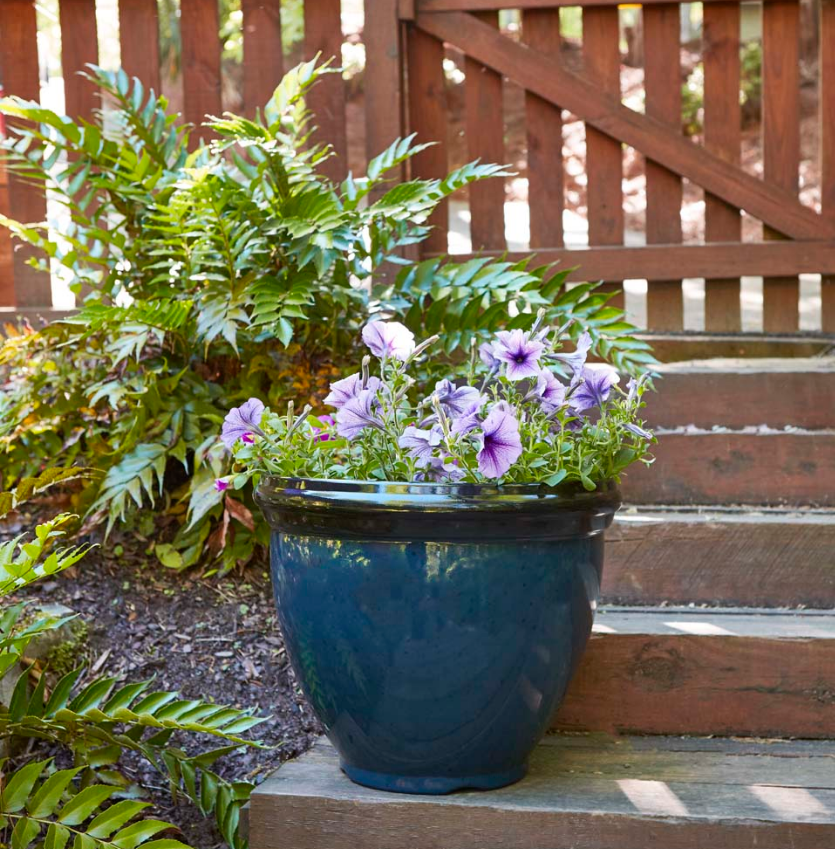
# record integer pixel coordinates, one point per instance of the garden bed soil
(210, 639)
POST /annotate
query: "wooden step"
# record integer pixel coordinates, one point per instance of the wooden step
(583, 792)
(736, 392)
(745, 557)
(730, 672)
(756, 466)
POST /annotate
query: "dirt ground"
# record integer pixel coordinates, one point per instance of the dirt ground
(210, 639)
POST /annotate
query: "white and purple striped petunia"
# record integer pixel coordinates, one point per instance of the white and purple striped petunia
(501, 445)
(419, 442)
(357, 414)
(389, 339)
(519, 352)
(550, 391)
(242, 422)
(593, 391)
(456, 399)
(349, 387)
(577, 358)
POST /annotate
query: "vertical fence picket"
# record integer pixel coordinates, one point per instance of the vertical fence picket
(139, 41)
(662, 81)
(79, 47)
(200, 33)
(723, 136)
(781, 141)
(19, 64)
(604, 158)
(826, 109)
(484, 122)
(323, 34)
(541, 30)
(428, 117)
(263, 63)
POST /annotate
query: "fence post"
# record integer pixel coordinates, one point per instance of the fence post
(19, 64)
(263, 55)
(79, 47)
(826, 111)
(200, 33)
(139, 39)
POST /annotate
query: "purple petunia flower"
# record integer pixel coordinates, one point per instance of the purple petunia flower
(420, 443)
(550, 391)
(389, 339)
(488, 356)
(455, 399)
(598, 381)
(358, 414)
(438, 469)
(638, 431)
(577, 358)
(221, 485)
(349, 387)
(500, 443)
(322, 435)
(469, 419)
(519, 352)
(242, 422)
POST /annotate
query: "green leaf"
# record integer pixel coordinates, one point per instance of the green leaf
(45, 801)
(84, 803)
(56, 837)
(134, 835)
(25, 831)
(20, 785)
(114, 818)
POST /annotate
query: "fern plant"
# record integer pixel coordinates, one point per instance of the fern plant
(90, 803)
(230, 271)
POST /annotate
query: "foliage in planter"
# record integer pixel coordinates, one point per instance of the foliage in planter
(215, 275)
(94, 802)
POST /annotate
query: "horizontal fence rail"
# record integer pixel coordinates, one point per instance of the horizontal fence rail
(408, 45)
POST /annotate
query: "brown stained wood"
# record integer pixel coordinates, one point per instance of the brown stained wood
(827, 135)
(674, 348)
(781, 469)
(428, 118)
(7, 296)
(19, 64)
(582, 96)
(383, 83)
(582, 791)
(662, 83)
(679, 673)
(323, 34)
(543, 122)
(486, 5)
(659, 262)
(604, 156)
(139, 40)
(79, 48)
(484, 130)
(737, 393)
(781, 143)
(200, 32)
(746, 558)
(722, 136)
(263, 63)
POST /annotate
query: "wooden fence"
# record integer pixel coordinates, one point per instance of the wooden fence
(405, 91)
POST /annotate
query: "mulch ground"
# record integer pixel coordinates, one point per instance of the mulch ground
(211, 639)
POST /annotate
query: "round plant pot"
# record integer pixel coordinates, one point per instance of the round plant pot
(433, 627)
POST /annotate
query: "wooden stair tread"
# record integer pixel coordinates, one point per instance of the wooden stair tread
(583, 791)
(735, 556)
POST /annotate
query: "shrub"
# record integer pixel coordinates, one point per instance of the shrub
(230, 271)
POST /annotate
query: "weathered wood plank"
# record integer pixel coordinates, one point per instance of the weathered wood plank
(200, 33)
(383, 82)
(139, 41)
(659, 262)
(737, 393)
(662, 82)
(826, 109)
(737, 468)
(428, 118)
(543, 122)
(738, 557)
(79, 48)
(486, 5)
(484, 122)
(701, 672)
(672, 348)
(323, 34)
(589, 792)
(781, 143)
(19, 63)
(604, 156)
(723, 136)
(7, 296)
(263, 63)
(582, 95)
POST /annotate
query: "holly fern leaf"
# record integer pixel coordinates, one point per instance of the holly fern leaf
(45, 806)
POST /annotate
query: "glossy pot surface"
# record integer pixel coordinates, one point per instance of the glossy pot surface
(435, 628)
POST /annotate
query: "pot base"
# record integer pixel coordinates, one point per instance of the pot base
(432, 785)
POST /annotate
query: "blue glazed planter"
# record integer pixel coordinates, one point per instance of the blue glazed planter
(433, 627)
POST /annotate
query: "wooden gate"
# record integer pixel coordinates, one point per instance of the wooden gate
(406, 91)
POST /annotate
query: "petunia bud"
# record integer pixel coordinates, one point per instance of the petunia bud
(366, 361)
